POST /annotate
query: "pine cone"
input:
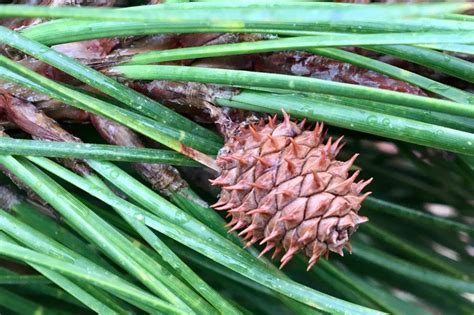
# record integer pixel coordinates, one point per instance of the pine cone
(284, 187)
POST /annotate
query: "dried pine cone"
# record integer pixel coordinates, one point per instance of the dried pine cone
(285, 187)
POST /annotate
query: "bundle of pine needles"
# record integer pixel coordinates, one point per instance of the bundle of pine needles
(115, 114)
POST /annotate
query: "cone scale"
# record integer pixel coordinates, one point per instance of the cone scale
(283, 188)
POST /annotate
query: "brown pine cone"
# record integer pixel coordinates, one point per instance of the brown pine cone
(284, 188)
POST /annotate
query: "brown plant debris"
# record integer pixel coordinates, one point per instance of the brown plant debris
(163, 178)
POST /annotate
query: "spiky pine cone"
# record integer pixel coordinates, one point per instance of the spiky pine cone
(283, 185)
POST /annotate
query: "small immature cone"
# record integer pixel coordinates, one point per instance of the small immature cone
(34, 122)
(163, 178)
(283, 186)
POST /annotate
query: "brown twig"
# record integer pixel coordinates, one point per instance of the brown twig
(163, 178)
(305, 64)
(34, 122)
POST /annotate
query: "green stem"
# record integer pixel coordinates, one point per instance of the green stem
(363, 120)
(24, 254)
(409, 270)
(23, 279)
(20, 305)
(416, 216)
(67, 30)
(372, 293)
(106, 152)
(430, 117)
(268, 14)
(268, 46)
(459, 48)
(200, 306)
(301, 43)
(411, 250)
(92, 296)
(435, 60)
(289, 82)
(35, 219)
(97, 230)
